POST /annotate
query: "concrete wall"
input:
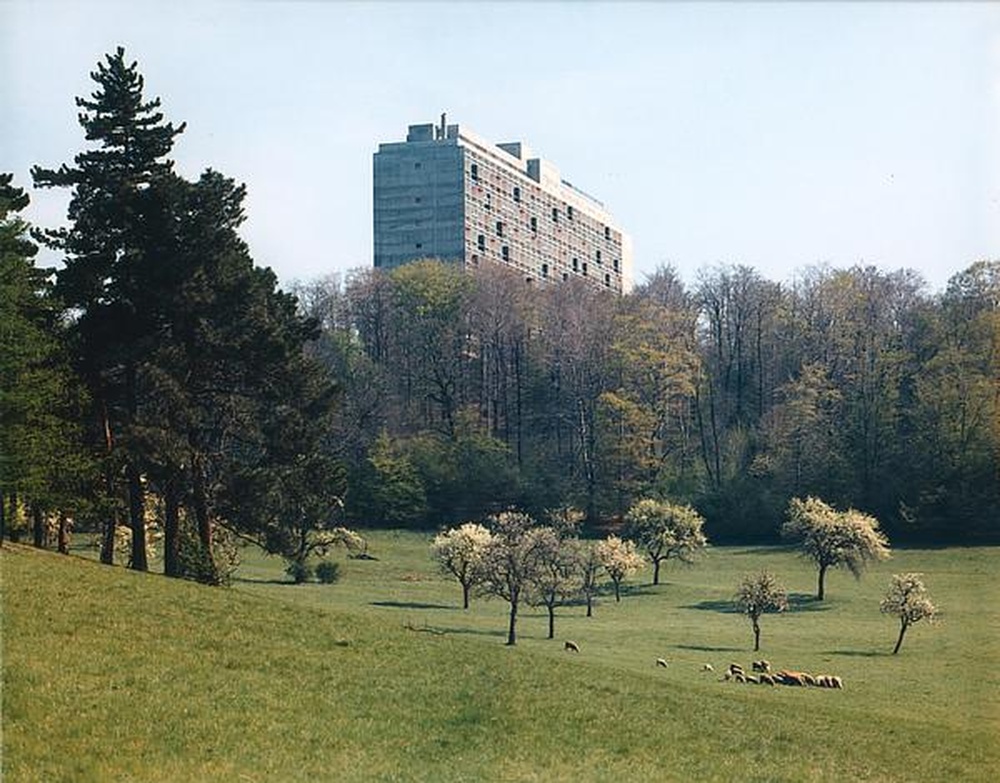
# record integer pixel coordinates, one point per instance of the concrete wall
(418, 202)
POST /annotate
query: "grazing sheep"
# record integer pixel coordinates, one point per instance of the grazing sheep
(751, 679)
(661, 662)
(790, 678)
(766, 679)
(572, 647)
(739, 677)
(808, 679)
(735, 667)
(727, 677)
(836, 682)
(761, 666)
(707, 667)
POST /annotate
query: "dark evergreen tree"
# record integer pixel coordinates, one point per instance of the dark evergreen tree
(41, 462)
(110, 258)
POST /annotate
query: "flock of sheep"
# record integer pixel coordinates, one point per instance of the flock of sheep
(762, 673)
(765, 676)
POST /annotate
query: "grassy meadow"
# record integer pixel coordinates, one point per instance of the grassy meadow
(113, 675)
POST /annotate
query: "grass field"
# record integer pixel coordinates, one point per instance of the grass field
(112, 675)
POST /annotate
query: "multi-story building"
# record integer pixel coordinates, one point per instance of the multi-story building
(446, 193)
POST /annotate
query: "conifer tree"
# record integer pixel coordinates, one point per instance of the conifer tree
(110, 256)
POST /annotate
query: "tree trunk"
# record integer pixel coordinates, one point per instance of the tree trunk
(902, 633)
(38, 526)
(820, 592)
(756, 635)
(656, 571)
(200, 503)
(618, 596)
(171, 530)
(590, 605)
(63, 541)
(108, 539)
(552, 622)
(465, 595)
(137, 518)
(511, 629)
(3, 517)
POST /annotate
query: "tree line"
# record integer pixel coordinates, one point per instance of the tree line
(160, 379)
(468, 391)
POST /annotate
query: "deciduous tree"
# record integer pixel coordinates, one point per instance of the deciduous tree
(908, 599)
(459, 552)
(619, 559)
(834, 538)
(758, 594)
(665, 530)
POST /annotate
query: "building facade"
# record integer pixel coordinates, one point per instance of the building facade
(446, 193)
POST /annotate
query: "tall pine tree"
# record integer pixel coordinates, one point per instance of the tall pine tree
(109, 253)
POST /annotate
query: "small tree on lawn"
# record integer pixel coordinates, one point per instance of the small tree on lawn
(665, 530)
(620, 559)
(554, 579)
(907, 599)
(589, 568)
(459, 552)
(509, 562)
(834, 538)
(758, 594)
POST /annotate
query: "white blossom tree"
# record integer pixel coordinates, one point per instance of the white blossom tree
(908, 600)
(665, 530)
(834, 538)
(758, 594)
(620, 559)
(459, 552)
(509, 562)
(554, 579)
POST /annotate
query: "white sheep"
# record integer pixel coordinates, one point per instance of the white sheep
(661, 662)
(571, 647)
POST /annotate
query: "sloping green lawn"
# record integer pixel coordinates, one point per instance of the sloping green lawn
(112, 675)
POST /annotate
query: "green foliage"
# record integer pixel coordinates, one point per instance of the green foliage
(299, 572)
(327, 572)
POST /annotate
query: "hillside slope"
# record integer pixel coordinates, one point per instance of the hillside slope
(113, 675)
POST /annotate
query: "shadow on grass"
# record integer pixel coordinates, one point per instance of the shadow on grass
(806, 602)
(252, 581)
(722, 607)
(858, 653)
(411, 605)
(441, 630)
(705, 648)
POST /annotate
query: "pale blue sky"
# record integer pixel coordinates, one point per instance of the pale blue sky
(777, 135)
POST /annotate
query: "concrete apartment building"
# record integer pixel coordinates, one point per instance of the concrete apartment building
(447, 193)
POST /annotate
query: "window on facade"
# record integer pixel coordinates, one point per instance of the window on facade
(499, 228)
(505, 253)
(418, 199)
(517, 195)
(474, 172)
(616, 264)
(569, 213)
(555, 215)
(607, 280)
(598, 256)
(576, 265)
(481, 241)
(419, 245)
(489, 201)
(565, 276)
(607, 233)
(545, 270)
(584, 272)
(417, 165)
(534, 224)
